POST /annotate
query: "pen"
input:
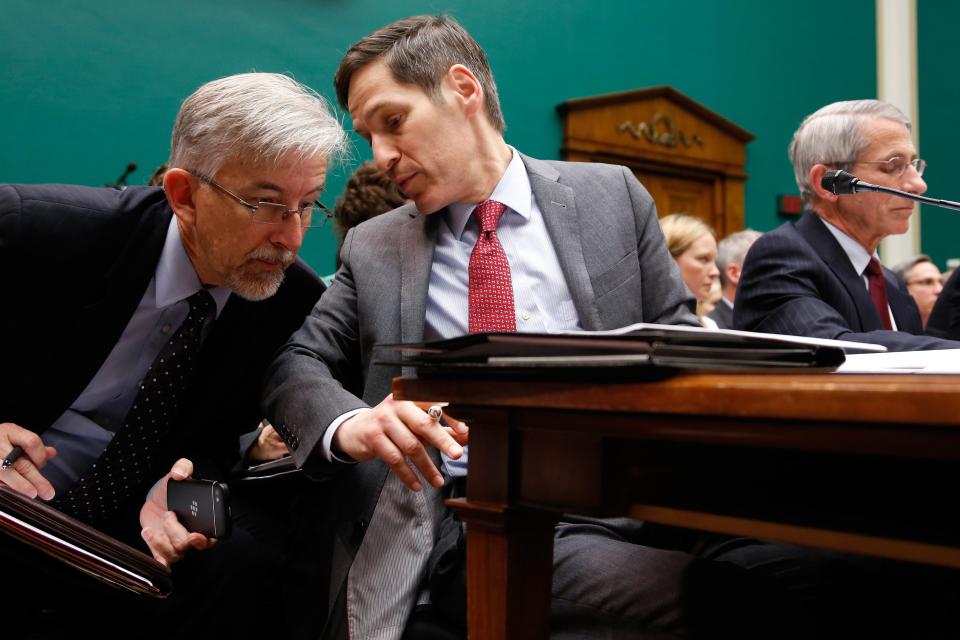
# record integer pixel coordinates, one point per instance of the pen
(12, 457)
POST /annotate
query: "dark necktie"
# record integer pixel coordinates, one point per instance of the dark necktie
(119, 472)
(878, 291)
(490, 286)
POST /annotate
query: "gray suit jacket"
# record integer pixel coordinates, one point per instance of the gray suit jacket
(604, 227)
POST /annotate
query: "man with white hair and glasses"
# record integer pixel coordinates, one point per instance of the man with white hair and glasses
(820, 276)
(135, 339)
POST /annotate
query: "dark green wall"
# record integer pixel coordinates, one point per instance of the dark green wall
(939, 94)
(87, 87)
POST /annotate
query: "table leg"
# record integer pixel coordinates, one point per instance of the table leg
(509, 570)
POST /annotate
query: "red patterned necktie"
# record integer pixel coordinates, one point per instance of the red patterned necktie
(490, 289)
(878, 292)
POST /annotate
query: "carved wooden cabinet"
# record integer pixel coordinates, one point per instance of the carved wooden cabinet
(689, 158)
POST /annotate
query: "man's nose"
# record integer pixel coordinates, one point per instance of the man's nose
(289, 233)
(385, 154)
(912, 182)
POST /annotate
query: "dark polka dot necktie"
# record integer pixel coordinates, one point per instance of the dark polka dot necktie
(490, 288)
(119, 472)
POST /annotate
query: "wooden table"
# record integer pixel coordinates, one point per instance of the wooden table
(854, 463)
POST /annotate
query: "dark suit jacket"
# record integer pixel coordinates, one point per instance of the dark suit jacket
(722, 314)
(75, 263)
(944, 321)
(797, 280)
(604, 227)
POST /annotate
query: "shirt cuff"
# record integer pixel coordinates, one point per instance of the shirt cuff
(332, 429)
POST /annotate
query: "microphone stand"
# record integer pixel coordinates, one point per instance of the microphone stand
(121, 182)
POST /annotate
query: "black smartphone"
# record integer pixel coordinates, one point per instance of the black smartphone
(201, 505)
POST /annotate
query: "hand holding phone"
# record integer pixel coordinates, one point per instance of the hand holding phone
(202, 506)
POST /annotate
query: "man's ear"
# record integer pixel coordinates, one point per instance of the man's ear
(465, 87)
(180, 187)
(733, 273)
(815, 176)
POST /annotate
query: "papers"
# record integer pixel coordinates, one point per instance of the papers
(929, 362)
(846, 345)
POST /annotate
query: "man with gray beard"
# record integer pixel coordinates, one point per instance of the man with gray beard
(119, 292)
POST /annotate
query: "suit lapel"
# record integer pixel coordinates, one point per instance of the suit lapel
(558, 204)
(811, 227)
(902, 305)
(417, 239)
(101, 321)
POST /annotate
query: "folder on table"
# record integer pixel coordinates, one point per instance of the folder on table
(639, 348)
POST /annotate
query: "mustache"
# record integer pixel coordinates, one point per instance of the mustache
(272, 254)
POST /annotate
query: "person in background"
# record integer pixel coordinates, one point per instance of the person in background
(820, 276)
(731, 252)
(369, 192)
(156, 178)
(923, 282)
(944, 319)
(693, 247)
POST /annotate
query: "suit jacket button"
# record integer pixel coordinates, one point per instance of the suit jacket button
(359, 528)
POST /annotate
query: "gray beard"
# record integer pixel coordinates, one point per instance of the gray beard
(254, 287)
(259, 285)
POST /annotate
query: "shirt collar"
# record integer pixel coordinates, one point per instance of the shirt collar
(857, 255)
(513, 190)
(176, 279)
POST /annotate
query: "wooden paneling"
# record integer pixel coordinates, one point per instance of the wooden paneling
(689, 158)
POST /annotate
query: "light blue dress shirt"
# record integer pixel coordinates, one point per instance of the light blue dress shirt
(82, 433)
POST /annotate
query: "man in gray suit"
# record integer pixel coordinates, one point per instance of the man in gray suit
(577, 246)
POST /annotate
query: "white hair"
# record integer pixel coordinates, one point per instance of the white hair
(904, 267)
(834, 135)
(733, 250)
(256, 117)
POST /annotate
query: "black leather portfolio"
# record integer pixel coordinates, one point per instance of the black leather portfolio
(638, 349)
(81, 546)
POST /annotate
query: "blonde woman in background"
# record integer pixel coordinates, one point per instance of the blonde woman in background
(694, 249)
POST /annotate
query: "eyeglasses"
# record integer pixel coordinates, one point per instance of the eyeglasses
(925, 282)
(262, 212)
(895, 166)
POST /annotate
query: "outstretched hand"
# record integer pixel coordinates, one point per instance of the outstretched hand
(396, 431)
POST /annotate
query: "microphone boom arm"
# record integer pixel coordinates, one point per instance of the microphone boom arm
(866, 186)
(844, 183)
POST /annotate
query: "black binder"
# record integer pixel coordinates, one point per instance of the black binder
(642, 349)
(81, 546)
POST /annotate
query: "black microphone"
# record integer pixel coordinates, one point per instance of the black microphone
(121, 182)
(843, 183)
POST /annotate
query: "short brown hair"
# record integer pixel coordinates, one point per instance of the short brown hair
(419, 51)
(369, 192)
